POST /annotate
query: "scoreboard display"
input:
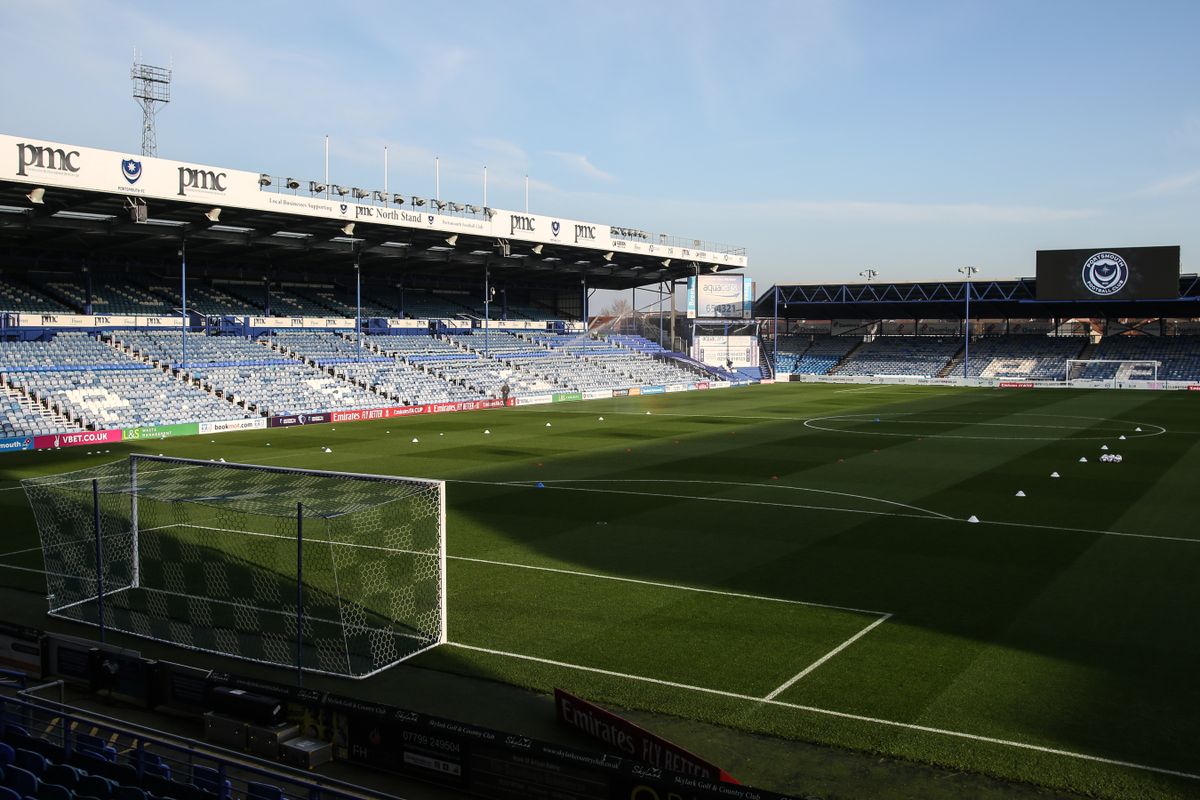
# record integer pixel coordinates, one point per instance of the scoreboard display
(1115, 273)
(720, 297)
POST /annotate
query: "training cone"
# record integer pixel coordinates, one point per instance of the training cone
(972, 518)
(547, 424)
(540, 485)
(221, 460)
(486, 433)
(1083, 459)
(601, 419)
(1103, 447)
(1139, 430)
(1054, 475)
(647, 413)
(415, 440)
(1020, 493)
(1122, 437)
(326, 450)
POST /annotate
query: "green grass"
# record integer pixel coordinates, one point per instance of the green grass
(1038, 626)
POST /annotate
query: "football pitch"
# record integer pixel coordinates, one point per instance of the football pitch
(952, 576)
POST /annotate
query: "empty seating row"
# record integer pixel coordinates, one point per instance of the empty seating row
(922, 356)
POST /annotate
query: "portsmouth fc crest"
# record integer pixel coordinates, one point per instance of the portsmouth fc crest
(132, 170)
(1105, 273)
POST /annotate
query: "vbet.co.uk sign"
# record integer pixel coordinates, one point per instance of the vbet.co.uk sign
(54, 164)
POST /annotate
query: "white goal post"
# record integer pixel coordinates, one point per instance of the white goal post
(338, 573)
(1111, 370)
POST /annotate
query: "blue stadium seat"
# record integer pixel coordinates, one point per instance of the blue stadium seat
(130, 793)
(22, 781)
(52, 791)
(95, 786)
(62, 775)
(209, 780)
(263, 791)
(34, 762)
(8, 794)
(7, 754)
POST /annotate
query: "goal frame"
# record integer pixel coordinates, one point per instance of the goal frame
(127, 537)
(1071, 362)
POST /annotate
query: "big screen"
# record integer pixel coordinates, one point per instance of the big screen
(1114, 273)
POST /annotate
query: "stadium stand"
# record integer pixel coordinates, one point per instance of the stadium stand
(923, 356)
(1029, 356)
(812, 355)
(250, 374)
(371, 368)
(1180, 357)
(90, 383)
(16, 295)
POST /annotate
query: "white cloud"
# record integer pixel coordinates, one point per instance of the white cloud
(1170, 185)
(580, 163)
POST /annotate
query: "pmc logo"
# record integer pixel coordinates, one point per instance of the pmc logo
(1105, 273)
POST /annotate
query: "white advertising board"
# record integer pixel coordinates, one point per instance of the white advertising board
(54, 164)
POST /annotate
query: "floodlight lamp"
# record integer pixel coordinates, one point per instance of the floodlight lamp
(398, 199)
(348, 229)
(264, 179)
(472, 209)
(489, 211)
(440, 205)
(379, 196)
(37, 196)
(341, 190)
(456, 207)
(316, 187)
(537, 249)
(417, 201)
(213, 215)
(452, 240)
(292, 183)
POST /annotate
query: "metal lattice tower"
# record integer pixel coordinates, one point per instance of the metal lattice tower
(151, 89)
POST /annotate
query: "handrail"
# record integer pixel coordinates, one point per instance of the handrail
(318, 786)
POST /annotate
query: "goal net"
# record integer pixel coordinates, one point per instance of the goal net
(329, 572)
(1111, 371)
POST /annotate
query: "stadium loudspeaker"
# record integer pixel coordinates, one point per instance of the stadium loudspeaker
(213, 215)
(348, 229)
(537, 249)
(452, 240)
(608, 256)
(37, 196)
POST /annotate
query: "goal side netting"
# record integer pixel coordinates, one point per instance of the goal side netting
(329, 572)
(1111, 371)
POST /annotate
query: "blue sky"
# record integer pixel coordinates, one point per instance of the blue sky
(825, 137)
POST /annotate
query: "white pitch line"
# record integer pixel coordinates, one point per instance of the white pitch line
(843, 714)
(775, 486)
(529, 484)
(792, 681)
(679, 586)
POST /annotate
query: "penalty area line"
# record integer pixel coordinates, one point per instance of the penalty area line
(975, 737)
(792, 681)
